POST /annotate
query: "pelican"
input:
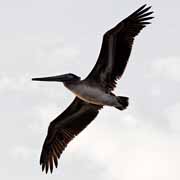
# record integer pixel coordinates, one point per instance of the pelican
(95, 91)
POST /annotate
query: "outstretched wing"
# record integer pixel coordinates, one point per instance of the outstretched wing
(116, 48)
(63, 129)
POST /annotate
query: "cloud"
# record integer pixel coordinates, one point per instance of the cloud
(16, 83)
(130, 150)
(172, 114)
(38, 52)
(45, 114)
(22, 152)
(57, 53)
(120, 144)
(168, 68)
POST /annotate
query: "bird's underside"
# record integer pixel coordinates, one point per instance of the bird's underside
(96, 95)
(111, 63)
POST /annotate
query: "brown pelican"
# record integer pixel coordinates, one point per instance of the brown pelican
(95, 90)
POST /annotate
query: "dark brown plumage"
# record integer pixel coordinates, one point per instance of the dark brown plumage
(117, 44)
(64, 128)
(111, 63)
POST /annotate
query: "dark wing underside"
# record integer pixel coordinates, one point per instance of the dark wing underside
(63, 129)
(116, 48)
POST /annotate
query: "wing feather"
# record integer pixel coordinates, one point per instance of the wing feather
(116, 48)
(63, 129)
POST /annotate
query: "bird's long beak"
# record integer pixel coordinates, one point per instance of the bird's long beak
(59, 78)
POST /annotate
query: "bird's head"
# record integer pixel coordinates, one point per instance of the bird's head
(65, 78)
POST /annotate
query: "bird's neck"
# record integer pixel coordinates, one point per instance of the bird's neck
(71, 84)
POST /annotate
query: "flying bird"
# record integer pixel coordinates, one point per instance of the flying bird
(95, 91)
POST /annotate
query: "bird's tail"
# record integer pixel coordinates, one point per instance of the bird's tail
(123, 102)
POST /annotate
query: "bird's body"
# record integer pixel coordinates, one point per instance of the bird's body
(95, 91)
(93, 94)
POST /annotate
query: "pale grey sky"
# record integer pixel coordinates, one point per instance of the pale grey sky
(41, 37)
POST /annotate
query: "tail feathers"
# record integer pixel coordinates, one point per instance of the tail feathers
(123, 102)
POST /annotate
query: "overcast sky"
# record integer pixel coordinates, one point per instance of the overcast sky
(40, 38)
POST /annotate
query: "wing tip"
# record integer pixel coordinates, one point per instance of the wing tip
(46, 166)
(144, 8)
(144, 15)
